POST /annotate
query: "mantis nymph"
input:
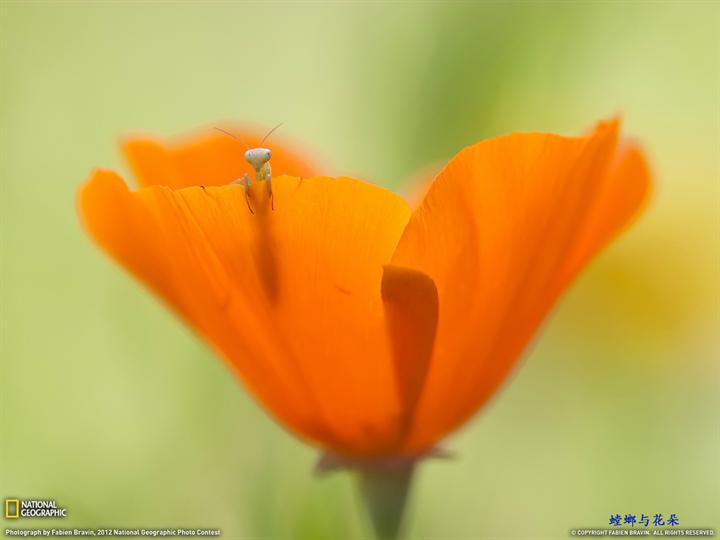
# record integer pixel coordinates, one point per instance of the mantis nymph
(259, 160)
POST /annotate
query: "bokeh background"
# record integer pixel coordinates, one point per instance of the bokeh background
(112, 407)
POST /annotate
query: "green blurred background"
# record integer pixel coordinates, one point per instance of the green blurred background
(112, 407)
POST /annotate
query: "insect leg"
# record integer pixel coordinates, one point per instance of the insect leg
(268, 179)
(245, 181)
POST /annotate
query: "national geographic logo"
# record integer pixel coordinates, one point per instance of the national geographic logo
(33, 508)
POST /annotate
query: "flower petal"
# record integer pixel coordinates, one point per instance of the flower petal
(291, 297)
(212, 159)
(411, 310)
(501, 232)
(624, 191)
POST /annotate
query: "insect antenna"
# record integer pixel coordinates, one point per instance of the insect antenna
(270, 133)
(234, 137)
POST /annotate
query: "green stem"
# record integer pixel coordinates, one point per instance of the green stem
(384, 490)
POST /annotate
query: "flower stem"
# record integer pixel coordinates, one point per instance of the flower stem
(384, 491)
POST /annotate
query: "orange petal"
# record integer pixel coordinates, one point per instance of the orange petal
(411, 309)
(212, 159)
(291, 297)
(501, 232)
(624, 191)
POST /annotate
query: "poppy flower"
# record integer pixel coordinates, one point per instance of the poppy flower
(370, 329)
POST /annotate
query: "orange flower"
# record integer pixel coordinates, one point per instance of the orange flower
(365, 327)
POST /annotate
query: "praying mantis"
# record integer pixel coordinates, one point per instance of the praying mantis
(259, 160)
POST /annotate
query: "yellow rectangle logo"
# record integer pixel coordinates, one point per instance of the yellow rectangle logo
(9, 512)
